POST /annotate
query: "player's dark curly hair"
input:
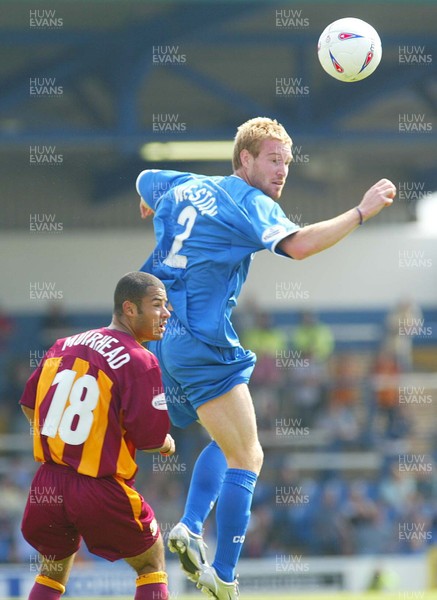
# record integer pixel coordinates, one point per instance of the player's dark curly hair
(133, 287)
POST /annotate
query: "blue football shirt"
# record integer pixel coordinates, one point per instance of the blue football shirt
(207, 229)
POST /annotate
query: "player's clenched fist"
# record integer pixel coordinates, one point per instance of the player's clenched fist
(381, 194)
(169, 446)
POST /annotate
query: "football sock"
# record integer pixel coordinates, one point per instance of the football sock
(206, 482)
(46, 588)
(233, 513)
(152, 586)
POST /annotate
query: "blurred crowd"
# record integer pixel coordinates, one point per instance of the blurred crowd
(349, 453)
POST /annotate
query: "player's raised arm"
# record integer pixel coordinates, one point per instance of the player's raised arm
(317, 237)
(152, 184)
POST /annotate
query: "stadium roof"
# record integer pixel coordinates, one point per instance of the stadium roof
(98, 79)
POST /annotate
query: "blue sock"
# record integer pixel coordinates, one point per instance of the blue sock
(233, 513)
(206, 482)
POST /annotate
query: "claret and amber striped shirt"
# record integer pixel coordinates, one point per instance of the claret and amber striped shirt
(98, 396)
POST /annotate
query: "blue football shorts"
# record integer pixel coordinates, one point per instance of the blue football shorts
(194, 372)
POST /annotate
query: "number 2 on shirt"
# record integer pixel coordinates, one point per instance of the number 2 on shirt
(186, 218)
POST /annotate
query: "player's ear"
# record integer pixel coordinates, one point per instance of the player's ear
(129, 308)
(245, 157)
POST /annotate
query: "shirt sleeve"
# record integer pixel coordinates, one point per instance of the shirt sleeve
(145, 416)
(268, 223)
(152, 184)
(28, 397)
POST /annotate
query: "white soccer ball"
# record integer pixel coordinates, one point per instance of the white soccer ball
(349, 49)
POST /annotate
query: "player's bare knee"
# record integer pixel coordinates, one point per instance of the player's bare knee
(151, 567)
(250, 459)
(258, 458)
(144, 566)
(150, 561)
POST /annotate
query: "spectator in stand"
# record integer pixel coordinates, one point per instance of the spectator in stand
(359, 512)
(312, 344)
(268, 342)
(307, 391)
(385, 378)
(415, 528)
(401, 326)
(329, 529)
(391, 418)
(345, 380)
(340, 426)
(397, 489)
(312, 338)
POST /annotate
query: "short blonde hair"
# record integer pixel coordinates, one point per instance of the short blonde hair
(251, 133)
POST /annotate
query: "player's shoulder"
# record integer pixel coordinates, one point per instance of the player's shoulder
(58, 346)
(237, 185)
(141, 358)
(249, 198)
(234, 183)
(144, 355)
(135, 364)
(143, 369)
(160, 177)
(128, 342)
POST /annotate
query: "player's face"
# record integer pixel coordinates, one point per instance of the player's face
(269, 170)
(150, 320)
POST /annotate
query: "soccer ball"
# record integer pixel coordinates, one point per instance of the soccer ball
(349, 49)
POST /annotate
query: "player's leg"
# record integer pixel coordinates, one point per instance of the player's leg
(209, 470)
(186, 537)
(52, 578)
(209, 473)
(46, 528)
(116, 522)
(230, 420)
(151, 583)
(207, 374)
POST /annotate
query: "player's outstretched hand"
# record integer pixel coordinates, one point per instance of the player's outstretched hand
(169, 447)
(376, 198)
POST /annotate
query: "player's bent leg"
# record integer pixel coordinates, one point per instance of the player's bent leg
(150, 561)
(185, 539)
(231, 422)
(206, 483)
(151, 583)
(51, 581)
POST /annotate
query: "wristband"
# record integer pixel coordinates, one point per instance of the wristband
(360, 214)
